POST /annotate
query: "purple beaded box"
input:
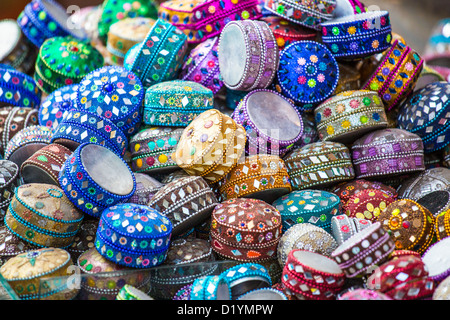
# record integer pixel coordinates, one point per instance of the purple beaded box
(202, 65)
(387, 152)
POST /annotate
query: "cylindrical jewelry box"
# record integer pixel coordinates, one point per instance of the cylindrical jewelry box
(417, 289)
(42, 215)
(319, 164)
(346, 190)
(442, 290)
(424, 182)
(210, 146)
(437, 202)
(316, 207)
(386, 152)
(45, 164)
(113, 93)
(358, 35)
(86, 127)
(87, 180)
(112, 11)
(436, 260)
(349, 115)
(410, 225)
(56, 106)
(310, 14)
(263, 177)
(64, 61)
(11, 245)
(124, 34)
(305, 236)
(343, 227)
(9, 181)
(133, 235)
(312, 275)
(186, 202)
(202, 65)
(26, 142)
(442, 225)
(425, 114)
(286, 32)
(203, 20)
(396, 74)
(308, 72)
(146, 188)
(248, 55)
(212, 287)
(363, 250)
(368, 204)
(176, 103)
(18, 89)
(14, 119)
(25, 272)
(17, 51)
(273, 125)
(160, 56)
(151, 150)
(102, 279)
(245, 230)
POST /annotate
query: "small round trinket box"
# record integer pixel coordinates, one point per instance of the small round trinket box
(395, 272)
(245, 230)
(350, 114)
(345, 190)
(18, 89)
(131, 293)
(442, 225)
(17, 51)
(363, 250)
(133, 235)
(246, 277)
(124, 34)
(146, 188)
(176, 103)
(308, 72)
(396, 74)
(316, 207)
(202, 65)
(211, 287)
(44, 19)
(263, 177)
(25, 273)
(319, 164)
(305, 236)
(368, 204)
(343, 227)
(210, 146)
(286, 32)
(273, 125)
(103, 279)
(203, 20)
(306, 13)
(417, 289)
(425, 114)
(436, 260)
(45, 164)
(410, 225)
(11, 245)
(112, 11)
(14, 119)
(80, 127)
(87, 180)
(113, 93)
(386, 152)
(424, 182)
(42, 215)
(9, 181)
(248, 55)
(358, 35)
(26, 142)
(64, 61)
(151, 149)
(186, 202)
(55, 107)
(437, 202)
(160, 56)
(312, 275)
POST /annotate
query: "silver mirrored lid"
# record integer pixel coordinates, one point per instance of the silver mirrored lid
(232, 55)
